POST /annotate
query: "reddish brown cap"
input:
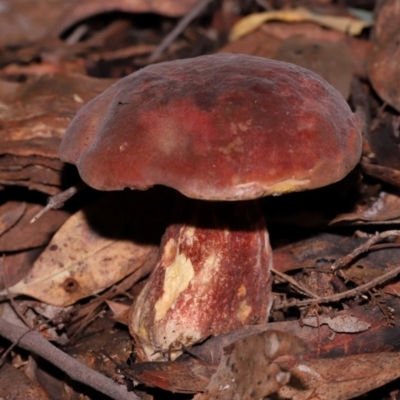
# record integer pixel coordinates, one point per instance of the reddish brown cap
(216, 127)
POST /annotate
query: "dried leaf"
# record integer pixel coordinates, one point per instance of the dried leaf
(331, 60)
(10, 213)
(121, 312)
(340, 323)
(34, 116)
(385, 174)
(326, 248)
(24, 235)
(265, 42)
(201, 360)
(386, 23)
(248, 24)
(79, 262)
(385, 208)
(247, 370)
(382, 139)
(184, 376)
(320, 341)
(23, 21)
(339, 378)
(88, 8)
(92, 350)
(384, 71)
(14, 384)
(15, 266)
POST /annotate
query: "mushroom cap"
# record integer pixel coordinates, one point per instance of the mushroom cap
(216, 127)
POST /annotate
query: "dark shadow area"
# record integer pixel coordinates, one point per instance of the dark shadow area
(141, 216)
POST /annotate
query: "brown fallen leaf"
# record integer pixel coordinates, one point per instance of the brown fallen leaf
(331, 60)
(79, 262)
(22, 21)
(339, 378)
(88, 8)
(10, 213)
(15, 266)
(384, 70)
(247, 371)
(23, 235)
(321, 340)
(386, 21)
(338, 324)
(184, 376)
(34, 116)
(201, 360)
(384, 210)
(266, 40)
(14, 384)
(327, 247)
(382, 140)
(120, 311)
(385, 174)
(251, 354)
(94, 350)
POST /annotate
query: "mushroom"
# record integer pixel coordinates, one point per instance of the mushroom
(224, 128)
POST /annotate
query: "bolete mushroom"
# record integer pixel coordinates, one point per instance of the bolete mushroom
(224, 128)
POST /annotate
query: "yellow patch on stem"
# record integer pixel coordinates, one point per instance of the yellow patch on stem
(243, 312)
(177, 278)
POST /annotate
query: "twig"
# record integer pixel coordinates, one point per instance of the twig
(58, 200)
(294, 283)
(182, 24)
(10, 296)
(341, 262)
(349, 293)
(36, 343)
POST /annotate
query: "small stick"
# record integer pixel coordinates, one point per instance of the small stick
(10, 296)
(294, 283)
(33, 341)
(182, 24)
(57, 201)
(341, 262)
(349, 293)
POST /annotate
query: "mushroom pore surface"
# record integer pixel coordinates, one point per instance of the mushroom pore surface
(216, 127)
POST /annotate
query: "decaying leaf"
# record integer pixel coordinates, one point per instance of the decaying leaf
(121, 311)
(10, 213)
(386, 23)
(247, 370)
(385, 174)
(385, 209)
(326, 248)
(382, 139)
(23, 235)
(79, 262)
(384, 71)
(340, 323)
(88, 8)
(14, 384)
(247, 24)
(339, 378)
(23, 21)
(34, 116)
(331, 60)
(15, 266)
(321, 343)
(185, 376)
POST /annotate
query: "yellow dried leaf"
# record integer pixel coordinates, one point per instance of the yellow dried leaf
(78, 262)
(250, 23)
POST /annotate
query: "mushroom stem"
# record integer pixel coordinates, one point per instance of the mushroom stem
(213, 275)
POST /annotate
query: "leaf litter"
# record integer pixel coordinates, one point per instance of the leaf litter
(59, 60)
